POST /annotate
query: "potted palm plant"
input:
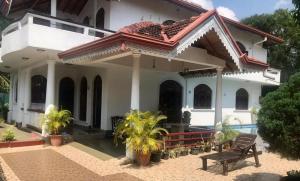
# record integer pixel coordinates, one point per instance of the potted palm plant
(139, 131)
(54, 120)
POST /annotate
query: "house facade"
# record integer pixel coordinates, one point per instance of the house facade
(100, 59)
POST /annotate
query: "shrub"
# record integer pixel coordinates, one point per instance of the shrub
(8, 135)
(279, 118)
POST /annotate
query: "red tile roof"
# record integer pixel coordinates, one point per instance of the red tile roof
(158, 36)
(198, 9)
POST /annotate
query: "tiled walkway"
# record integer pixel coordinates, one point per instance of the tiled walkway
(49, 165)
(75, 164)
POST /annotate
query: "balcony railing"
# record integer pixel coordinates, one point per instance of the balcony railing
(56, 23)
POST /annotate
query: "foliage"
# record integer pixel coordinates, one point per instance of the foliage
(279, 118)
(140, 131)
(226, 133)
(294, 173)
(186, 118)
(284, 56)
(296, 11)
(4, 82)
(54, 120)
(8, 135)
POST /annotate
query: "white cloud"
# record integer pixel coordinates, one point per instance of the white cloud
(228, 13)
(224, 11)
(282, 4)
(206, 4)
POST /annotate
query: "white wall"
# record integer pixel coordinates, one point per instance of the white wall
(229, 88)
(248, 40)
(126, 12)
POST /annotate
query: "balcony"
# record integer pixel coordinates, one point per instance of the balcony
(37, 32)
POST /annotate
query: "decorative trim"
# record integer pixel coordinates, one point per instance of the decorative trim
(202, 30)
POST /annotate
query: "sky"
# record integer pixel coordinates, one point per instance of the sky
(239, 9)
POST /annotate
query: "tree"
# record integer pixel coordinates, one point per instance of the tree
(4, 77)
(279, 118)
(285, 56)
(296, 11)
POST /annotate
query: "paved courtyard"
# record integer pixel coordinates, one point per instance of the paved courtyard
(69, 163)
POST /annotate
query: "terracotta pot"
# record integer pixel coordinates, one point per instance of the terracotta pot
(56, 140)
(143, 159)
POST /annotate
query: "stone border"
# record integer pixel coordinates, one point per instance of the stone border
(12, 144)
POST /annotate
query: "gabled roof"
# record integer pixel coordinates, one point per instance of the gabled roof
(158, 36)
(198, 9)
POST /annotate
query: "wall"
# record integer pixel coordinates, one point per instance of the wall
(229, 88)
(126, 12)
(248, 40)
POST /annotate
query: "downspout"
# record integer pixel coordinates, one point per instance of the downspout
(257, 43)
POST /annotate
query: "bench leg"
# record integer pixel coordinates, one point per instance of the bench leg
(257, 164)
(204, 163)
(225, 168)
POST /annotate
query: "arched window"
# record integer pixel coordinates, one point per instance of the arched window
(100, 18)
(202, 97)
(241, 100)
(83, 99)
(242, 47)
(38, 89)
(86, 21)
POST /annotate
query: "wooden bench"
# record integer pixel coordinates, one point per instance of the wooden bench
(242, 148)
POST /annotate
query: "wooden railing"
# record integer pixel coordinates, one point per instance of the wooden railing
(53, 22)
(186, 139)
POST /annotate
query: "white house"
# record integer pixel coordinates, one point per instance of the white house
(100, 58)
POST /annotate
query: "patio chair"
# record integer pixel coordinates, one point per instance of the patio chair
(242, 148)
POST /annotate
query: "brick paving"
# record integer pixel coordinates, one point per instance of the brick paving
(187, 168)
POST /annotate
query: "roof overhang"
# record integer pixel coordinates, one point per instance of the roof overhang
(122, 42)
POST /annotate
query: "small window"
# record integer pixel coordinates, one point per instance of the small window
(83, 99)
(241, 100)
(168, 22)
(202, 97)
(38, 89)
(242, 47)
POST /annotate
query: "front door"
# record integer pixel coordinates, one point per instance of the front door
(170, 100)
(66, 94)
(97, 101)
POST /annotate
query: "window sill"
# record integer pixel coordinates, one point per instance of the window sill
(36, 110)
(203, 110)
(242, 111)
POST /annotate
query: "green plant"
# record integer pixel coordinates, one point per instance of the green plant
(140, 131)
(226, 133)
(172, 153)
(54, 120)
(294, 173)
(8, 135)
(279, 119)
(186, 118)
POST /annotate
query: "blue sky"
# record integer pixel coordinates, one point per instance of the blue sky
(245, 8)
(239, 9)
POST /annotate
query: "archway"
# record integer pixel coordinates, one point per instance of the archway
(97, 102)
(100, 18)
(170, 100)
(66, 94)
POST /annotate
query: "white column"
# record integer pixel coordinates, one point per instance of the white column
(50, 94)
(218, 105)
(53, 7)
(135, 84)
